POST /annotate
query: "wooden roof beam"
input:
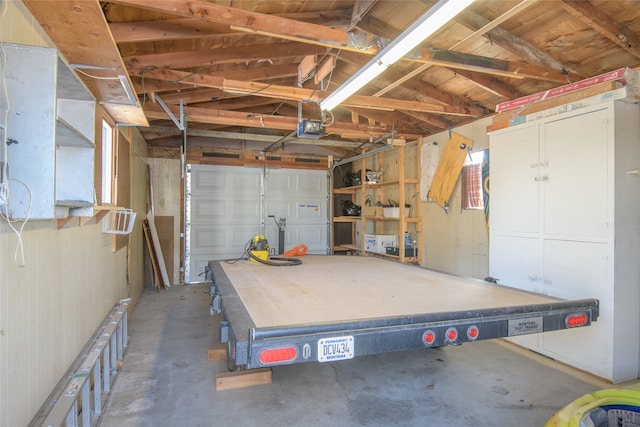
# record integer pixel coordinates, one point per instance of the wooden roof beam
(498, 67)
(490, 84)
(168, 29)
(264, 121)
(289, 29)
(604, 24)
(167, 130)
(302, 94)
(247, 21)
(204, 57)
(512, 43)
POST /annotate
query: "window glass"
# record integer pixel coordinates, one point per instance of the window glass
(107, 163)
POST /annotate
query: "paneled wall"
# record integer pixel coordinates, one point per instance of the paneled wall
(458, 241)
(51, 304)
(166, 179)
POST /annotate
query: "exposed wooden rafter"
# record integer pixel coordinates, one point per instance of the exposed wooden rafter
(605, 25)
(84, 20)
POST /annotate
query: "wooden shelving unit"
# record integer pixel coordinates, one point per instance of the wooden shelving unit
(394, 185)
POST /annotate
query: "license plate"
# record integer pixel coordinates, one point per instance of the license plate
(336, 348)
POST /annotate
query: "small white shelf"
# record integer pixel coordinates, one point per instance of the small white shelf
(53, 123)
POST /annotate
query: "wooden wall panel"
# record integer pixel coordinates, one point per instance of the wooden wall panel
(167, 199)
(71, 279)
(50, 307)
(457, 242)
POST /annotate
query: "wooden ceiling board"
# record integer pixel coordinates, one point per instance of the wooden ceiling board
(168, 29)
(80, 31)
(398, 15)
(494, 51)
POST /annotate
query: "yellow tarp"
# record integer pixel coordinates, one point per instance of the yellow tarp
(449, 167)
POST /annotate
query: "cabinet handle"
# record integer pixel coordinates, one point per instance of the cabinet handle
(534, 165)
(532, 278)
(541, 178)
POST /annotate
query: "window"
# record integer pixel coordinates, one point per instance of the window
(472, 180)
(107, 162)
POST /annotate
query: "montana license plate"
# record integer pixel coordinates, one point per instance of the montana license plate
(336, 348)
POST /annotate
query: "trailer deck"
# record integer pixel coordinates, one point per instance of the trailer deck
(338, 307)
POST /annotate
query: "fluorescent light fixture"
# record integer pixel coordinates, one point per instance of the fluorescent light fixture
(90, 67)
(438, 15)
(133, 99)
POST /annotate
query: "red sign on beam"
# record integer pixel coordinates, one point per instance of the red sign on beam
(621, 75)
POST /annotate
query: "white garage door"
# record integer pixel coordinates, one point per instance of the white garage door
(226, 206)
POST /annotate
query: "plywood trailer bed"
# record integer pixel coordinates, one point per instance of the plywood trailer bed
(332, 308)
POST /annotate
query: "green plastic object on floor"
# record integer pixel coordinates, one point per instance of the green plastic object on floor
(603, 408)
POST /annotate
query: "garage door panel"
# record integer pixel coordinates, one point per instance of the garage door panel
(311, 211)
(225, 180)
(314, 237)
(206, 210)
(227, 207)
(277, 184)
(205, 238)
(216, 239)
(292, 183)
(298, 211)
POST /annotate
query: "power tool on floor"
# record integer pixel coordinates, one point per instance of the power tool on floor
(258, 251)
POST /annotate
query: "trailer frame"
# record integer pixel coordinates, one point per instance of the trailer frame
(247, 343)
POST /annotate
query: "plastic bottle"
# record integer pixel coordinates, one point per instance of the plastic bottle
(407, 239)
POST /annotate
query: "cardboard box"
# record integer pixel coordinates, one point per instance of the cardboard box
(395, 212)
(371, 211)
(379, 243)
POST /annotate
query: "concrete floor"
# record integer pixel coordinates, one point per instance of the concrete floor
(167, 380)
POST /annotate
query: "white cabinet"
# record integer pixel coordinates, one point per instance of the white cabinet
(565, 221)
(51, 126)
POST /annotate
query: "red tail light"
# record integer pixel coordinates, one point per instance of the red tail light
(278, 355)
(473, 332)
(429, 337)
(577, 319)
(452, 335)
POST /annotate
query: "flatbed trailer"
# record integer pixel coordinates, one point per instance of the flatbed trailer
(333, 308)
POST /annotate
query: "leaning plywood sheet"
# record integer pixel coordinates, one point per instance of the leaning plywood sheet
(158, 250)
(339, 288)
(152, 255)
(448, 170)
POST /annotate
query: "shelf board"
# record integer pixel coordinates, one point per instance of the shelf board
(347, 247)
(346, 190)
(384, 218)
(346, 218)
(405, 259)
(68, 135)
(74, 203)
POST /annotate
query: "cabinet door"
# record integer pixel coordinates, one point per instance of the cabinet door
(514, 262)
(514, 186)
(575, 166)
(575, 270)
